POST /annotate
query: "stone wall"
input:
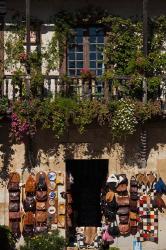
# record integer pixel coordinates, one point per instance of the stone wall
(96, 143)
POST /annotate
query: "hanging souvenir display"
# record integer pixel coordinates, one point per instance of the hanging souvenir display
(14, 203)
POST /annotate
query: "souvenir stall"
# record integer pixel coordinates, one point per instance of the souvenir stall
(128, 207)
(38, 205)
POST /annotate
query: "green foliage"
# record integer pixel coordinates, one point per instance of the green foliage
(4, 105)
(7, 241)
(47, 241)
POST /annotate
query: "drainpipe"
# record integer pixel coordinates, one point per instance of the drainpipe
(143, 136)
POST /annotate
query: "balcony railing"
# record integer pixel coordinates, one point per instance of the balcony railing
(72, 87)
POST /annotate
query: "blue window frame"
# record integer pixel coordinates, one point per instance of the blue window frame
(85, 48)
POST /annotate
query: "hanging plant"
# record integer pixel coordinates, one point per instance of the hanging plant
(124, 120)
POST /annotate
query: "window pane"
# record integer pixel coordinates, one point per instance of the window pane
(79, 56)
(99, 65)
(78, 72)
(99, 56)
(92, 31)
(92, 39)
(92, 47)
(92, 56)
(79, 65)
(71, 64)
(71, 72)
(79, 39)
(79, 48)
(71, 56)
(100, 32)
(79, 32)
(100, 39)
(93, 64)
(99, 72)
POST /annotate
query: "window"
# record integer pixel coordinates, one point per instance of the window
(85, 49)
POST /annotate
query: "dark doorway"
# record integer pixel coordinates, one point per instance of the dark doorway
(89, 176)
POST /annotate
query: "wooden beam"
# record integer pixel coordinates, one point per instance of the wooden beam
(145, 44)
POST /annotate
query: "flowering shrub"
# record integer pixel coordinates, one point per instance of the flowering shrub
(23, 57)
(86, 73)
(19, 129)
(124, 120)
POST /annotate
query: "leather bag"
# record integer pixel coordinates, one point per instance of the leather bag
(134, 196)
(30, 185)
(15, 228)
(13, 186)
(133, 182)
(133, 216)
(41, 216)
(113, 229)
(133, 230)
(14, 216)
(123, 210)
(133, 189)
(121, 188)
(41, 206)
(29, 218)
(28, 230)
(122, 200)
(14, 196)
(133, 223)
(109, 196)
(133, 205)
(124, 229)
(14, 206)
(124, 219)
(41, 229)
(41, 195)
(29, 204)
(41, 182)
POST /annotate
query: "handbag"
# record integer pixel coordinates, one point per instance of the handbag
(28, 230)
(113, 229)
(133, 216)
(107, 237)
(41, 206)
(13, 186)
(14, 206)
(29, 218)
(30, 185)
(134, 196)
(133, 205)
(133, 230)
(124, 229)
(61, 208)
(133, 182)
(109, 196)
(15, 228)
(121, 188)
(29, 204)
(41, 229)
(41, 216)
(60, 178)
(14, 196)
(122, 200)
(14, 216)
(41, 182)
(41, 195)
(133, 189)
(124, 219)
(123, 210)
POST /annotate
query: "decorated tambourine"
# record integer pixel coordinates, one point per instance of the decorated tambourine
(52, 176)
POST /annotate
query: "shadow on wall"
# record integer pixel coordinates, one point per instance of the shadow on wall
(6, 151)
(98, 142)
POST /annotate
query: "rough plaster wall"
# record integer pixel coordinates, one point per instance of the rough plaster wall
(96, 143)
